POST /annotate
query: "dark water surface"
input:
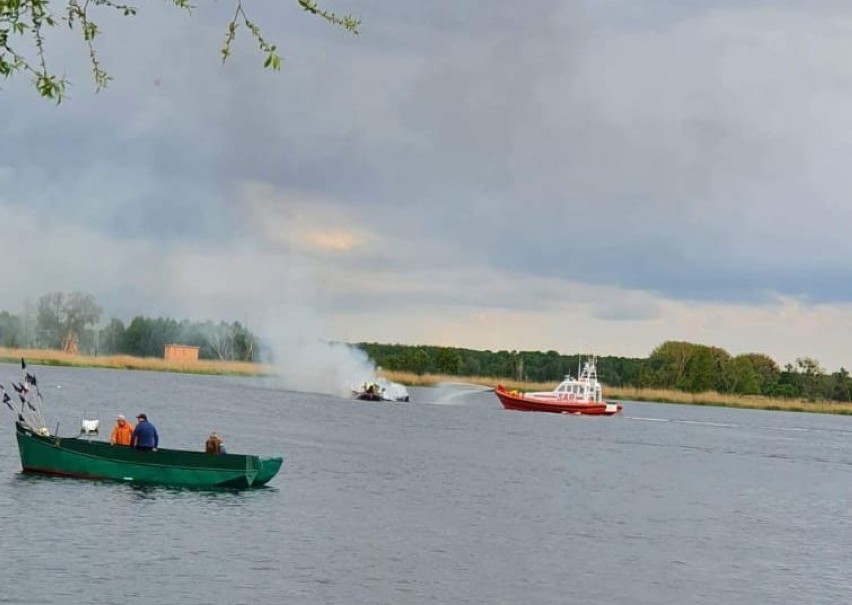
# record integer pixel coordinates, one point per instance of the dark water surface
(444, 500)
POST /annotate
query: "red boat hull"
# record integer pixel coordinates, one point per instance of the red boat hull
(517, 401)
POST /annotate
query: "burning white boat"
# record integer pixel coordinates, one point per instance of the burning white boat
(381, 389)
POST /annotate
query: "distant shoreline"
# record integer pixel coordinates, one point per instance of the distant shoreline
(246, 368)
(710, 398)
(50, 357)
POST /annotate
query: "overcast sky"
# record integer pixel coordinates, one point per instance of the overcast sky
(595, 177)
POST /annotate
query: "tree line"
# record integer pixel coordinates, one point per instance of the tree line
(72, 322)
(59, 321)
(674, 365)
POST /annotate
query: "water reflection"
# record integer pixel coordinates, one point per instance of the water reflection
(218, 496)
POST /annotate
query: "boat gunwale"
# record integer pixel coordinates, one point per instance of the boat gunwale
(56, 442)
(520, 402)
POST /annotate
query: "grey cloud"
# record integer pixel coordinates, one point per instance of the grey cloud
(671, 149)
(618, 310)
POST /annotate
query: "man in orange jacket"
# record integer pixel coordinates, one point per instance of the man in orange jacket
(121, 432)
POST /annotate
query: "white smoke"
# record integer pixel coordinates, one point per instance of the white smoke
(302, 361)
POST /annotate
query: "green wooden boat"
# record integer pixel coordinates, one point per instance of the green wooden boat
(86, 458)
(83, 457)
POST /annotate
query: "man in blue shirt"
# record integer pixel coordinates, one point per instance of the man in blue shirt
(144, 435)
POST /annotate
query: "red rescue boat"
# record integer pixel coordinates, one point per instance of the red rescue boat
(582, 395)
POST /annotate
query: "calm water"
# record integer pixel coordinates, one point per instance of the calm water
(445, 500)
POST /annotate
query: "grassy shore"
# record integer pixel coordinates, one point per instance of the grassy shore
(243, 368)
(712, 398)
(126, 362)
(652, 395)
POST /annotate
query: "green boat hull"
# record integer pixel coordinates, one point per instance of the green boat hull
(83, 458)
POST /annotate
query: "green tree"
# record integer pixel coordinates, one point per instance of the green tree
(244, 340)
(111, 338)
(743, 378)
(420, 361)
(471, 365)
(840, 387)
(721, 369)
(140, 338)
(448, 361)
(809, 372)
(700, 374)
(766, 369)
(224, 341)
(81, 312)
(24, 27)
(61, 316)
(668, 363)
(49, 320)
(11, 330)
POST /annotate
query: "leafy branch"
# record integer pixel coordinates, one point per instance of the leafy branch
(272, 59)
(348, 22)
(23, 24)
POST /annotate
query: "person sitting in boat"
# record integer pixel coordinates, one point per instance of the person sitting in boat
(121, 432)
(145, 435)
(214, 444)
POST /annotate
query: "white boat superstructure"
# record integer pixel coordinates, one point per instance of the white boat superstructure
(583, 389)
(393, 391)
